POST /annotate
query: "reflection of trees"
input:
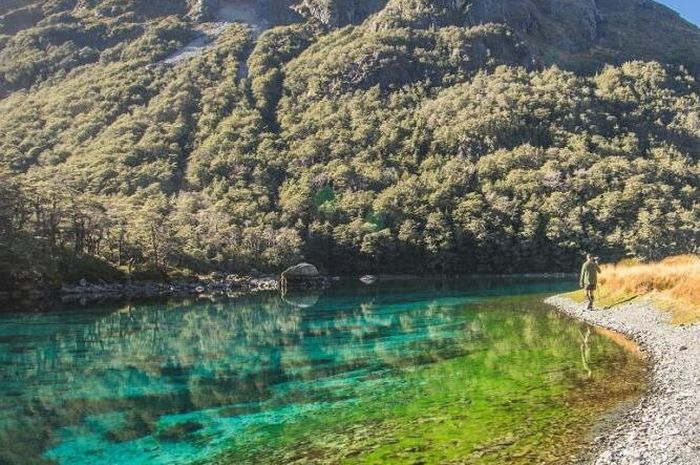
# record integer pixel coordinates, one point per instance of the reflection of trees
(167, 358)
(164, 358)
(510, 359)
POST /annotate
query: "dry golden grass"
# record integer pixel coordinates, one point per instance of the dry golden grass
(673, 284)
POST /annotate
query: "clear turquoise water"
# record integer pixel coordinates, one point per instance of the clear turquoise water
(261, 379)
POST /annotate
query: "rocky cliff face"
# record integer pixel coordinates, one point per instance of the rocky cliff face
(202, 10)
(581, 35)
(332, 13)
(338, 13)
(571, 24)
(577, 34)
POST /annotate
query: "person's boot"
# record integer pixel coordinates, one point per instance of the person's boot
(590, 305)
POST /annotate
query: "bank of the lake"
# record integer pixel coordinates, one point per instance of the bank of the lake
(38, 295)
(664, 427)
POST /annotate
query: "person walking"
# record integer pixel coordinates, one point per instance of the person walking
(589, 278)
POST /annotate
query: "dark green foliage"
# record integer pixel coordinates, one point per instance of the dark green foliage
(273, 49)
(392, 148)
(57, 39)
(359, 58)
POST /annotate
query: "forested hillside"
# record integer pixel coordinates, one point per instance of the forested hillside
(408, 135)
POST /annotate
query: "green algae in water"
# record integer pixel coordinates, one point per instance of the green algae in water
(408, 372)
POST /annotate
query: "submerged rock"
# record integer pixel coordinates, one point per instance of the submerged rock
(180, 431)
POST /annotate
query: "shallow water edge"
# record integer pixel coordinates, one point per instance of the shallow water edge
(663, 426)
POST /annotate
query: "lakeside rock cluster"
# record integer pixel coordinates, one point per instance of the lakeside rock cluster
(303, 276)
(85, 291)
(664, 428)
(211, 284)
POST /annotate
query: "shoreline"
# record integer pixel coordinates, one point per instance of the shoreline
(663, 427)
(216, 284)
(38, 298)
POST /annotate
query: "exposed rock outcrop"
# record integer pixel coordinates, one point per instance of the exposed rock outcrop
(338, 13)
(569, 24)
(368, 279)
(302, 276)
(577, 34)
(301, 271)
(202, 10)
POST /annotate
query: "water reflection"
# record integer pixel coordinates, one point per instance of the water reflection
(301, 299)
(586, 350)
(169, 383)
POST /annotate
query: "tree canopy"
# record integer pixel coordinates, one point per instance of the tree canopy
(362, 148)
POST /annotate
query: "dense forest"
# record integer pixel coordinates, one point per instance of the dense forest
(411, 138)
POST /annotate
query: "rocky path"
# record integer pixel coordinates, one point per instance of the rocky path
(664, 428)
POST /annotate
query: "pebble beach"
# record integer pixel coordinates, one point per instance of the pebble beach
(664, 427)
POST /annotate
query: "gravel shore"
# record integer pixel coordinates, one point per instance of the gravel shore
(664, 428)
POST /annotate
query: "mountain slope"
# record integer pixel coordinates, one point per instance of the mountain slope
(404, 135)
(39, 38)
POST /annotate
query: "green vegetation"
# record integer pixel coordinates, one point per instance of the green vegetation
(392, 145)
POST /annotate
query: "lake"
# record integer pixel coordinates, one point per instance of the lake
(402, 372)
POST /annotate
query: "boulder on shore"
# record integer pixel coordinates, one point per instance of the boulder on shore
(300, 272)
(302, 276)
(369, 279)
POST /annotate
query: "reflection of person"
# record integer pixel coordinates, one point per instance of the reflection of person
(586, 351)
(589, 278)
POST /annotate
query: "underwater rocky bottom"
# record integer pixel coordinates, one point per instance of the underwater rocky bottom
(405, 372)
